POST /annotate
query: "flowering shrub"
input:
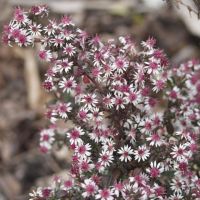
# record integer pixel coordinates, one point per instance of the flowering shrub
(134, 120)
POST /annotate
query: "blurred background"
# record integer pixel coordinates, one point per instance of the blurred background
(22, 100)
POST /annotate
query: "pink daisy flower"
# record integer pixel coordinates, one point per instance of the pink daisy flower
(105, 194)
(142, 153)
(90, 188)
(125, 153)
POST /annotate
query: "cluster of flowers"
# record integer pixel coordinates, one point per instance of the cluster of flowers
(135, 120)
